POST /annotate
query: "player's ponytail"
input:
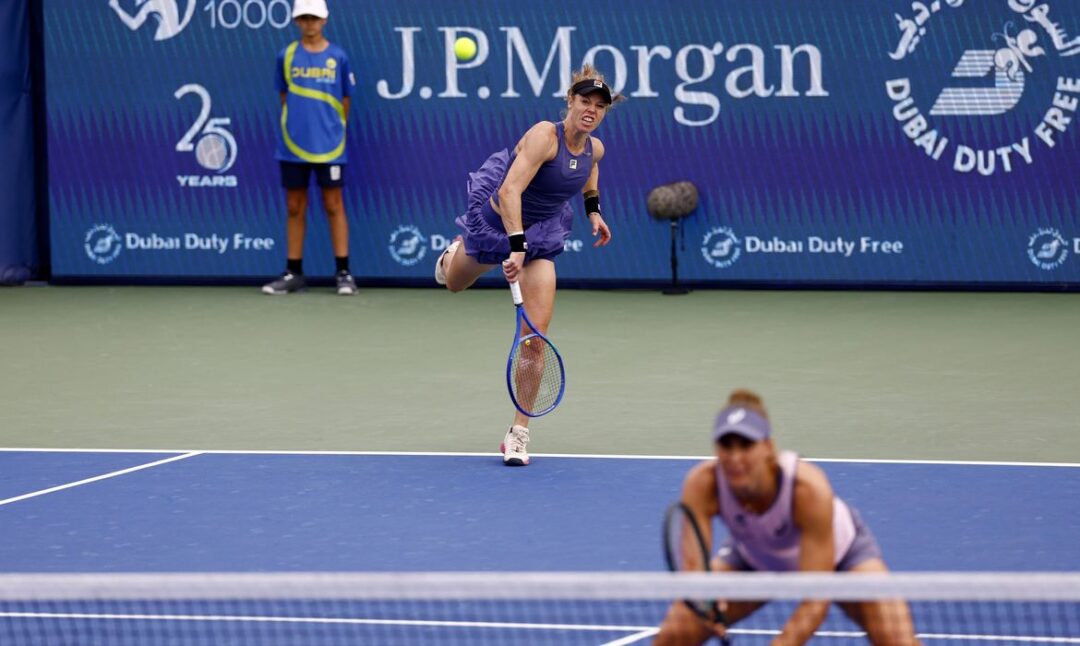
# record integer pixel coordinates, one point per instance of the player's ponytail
(748, 399)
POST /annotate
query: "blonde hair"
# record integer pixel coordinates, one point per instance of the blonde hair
(748, 399)
(587, 71)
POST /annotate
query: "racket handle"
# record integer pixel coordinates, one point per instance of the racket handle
(515, 291)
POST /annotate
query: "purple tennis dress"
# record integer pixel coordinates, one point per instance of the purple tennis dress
(545, 209)
(770, 541)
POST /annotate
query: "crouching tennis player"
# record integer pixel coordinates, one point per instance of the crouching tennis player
(782, 516)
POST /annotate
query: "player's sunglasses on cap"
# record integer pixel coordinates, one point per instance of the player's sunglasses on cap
(315, 8)
(741, 421)
(586, 87)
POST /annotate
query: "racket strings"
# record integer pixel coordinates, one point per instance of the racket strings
(536, 374)
(685, 551)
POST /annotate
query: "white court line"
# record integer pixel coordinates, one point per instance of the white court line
(103, 476)
(1001, 638)
(642, 631)
(843, 634)
(323, 620)
(633, 639)
(535, 455)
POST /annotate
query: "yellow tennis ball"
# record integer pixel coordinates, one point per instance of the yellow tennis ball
(528, 341)
(465, 48)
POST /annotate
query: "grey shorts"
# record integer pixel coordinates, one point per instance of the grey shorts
(863, 548)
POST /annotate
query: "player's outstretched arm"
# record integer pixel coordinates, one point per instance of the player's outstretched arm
(592, 190)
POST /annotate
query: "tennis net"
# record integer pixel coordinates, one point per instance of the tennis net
(322, 609)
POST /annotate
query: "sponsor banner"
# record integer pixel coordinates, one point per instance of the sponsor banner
(886, 142)
(117, 250)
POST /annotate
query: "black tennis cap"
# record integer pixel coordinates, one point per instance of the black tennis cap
(585, 87)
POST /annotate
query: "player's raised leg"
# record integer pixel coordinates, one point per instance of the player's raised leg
(457, 269)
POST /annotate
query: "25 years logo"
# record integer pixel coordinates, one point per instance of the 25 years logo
(209, 138)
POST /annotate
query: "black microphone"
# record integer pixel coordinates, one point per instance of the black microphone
(673, 202)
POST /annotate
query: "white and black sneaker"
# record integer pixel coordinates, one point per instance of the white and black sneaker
(346, 285)
(287, 284)
(514, 445)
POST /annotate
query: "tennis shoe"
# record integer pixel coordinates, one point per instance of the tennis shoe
(513, 447)
(346, 285)
(287, 284)
(440, 271)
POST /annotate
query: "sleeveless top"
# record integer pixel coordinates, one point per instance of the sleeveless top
(556, 181)
(770, 540)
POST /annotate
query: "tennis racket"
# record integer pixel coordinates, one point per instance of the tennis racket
(534, 371)
(685, 551)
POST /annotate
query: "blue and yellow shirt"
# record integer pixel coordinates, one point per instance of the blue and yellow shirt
(313, 118)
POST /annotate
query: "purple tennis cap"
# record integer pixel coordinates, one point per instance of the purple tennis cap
(742, 421)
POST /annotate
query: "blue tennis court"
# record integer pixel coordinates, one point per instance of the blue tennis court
(111, 511)
(253, 511)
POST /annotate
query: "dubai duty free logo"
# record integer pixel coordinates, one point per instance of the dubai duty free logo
(1048, 249)
(721, 247)
(102, 243)
(407, 245)
(1012, 42)
(166, 14)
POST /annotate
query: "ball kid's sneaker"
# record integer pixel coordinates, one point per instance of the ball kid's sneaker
(286, 284)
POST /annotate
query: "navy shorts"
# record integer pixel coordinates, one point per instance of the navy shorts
(298, 174)
(863, 548)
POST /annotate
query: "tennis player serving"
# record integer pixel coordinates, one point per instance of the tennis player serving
(519, 214)
(782, 516)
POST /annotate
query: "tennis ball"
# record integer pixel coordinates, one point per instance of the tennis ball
(465, 48)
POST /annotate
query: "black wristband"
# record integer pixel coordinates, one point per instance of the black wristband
(517, 242)
(592, 205)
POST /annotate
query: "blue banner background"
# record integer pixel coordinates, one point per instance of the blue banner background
(18, 228)
(771, 170)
